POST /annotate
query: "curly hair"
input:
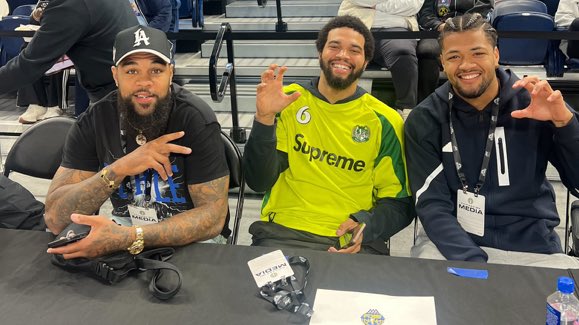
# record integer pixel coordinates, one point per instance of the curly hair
(348, 22)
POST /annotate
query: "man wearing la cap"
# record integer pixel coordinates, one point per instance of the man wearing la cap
(153, 148)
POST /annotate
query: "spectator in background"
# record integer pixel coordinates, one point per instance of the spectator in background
(162, 15)
(159, 13)
(398, 55)
(42, 98)
(431, 17)
(566, 19)
(84, 30)
(4, 9)
(175, 4)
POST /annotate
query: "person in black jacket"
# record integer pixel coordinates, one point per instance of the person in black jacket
(42, 98)
(431, 17)
(159, 13)
(82, 29)
(477, 151)
(162, 15)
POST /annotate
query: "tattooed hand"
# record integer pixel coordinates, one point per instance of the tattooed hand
(104, 238)
(153, 154)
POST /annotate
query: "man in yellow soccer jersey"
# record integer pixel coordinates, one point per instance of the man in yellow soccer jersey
(328, 155)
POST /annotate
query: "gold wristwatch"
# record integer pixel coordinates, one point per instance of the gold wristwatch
(139, 244)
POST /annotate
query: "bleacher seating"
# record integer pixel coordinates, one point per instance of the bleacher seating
(13, 4)
(526, 15)
(552, 6)
(24, 10)
(10, 46)
(520, 6)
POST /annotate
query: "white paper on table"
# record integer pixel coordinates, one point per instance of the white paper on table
(28, 27)
(349, 307)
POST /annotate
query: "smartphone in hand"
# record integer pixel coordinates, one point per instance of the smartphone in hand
(351, 237)
(67, 240)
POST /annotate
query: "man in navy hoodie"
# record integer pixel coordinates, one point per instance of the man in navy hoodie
(477, 150)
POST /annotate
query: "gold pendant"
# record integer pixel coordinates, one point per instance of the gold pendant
(141, 139)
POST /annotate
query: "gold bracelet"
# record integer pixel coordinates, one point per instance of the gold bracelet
(110, 183)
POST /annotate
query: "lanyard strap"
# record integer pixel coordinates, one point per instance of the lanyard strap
(287, 293)
(488, 146)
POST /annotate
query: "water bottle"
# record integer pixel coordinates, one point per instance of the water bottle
(563, 306)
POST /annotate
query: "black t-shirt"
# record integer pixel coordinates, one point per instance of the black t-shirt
(95, 142)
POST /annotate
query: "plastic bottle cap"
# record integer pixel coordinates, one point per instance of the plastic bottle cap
(565, 284)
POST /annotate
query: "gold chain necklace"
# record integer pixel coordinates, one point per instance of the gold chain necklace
(140, 139)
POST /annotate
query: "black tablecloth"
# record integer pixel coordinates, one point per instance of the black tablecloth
(218, 287)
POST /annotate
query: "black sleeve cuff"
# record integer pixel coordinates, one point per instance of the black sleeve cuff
(262, 131)
(569, 131)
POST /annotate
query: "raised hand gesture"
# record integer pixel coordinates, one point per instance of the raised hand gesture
(546, 104)
(270, 98)
(153, 154)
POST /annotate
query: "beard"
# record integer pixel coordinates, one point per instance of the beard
(475, 93)
(337, 82)
(152, 125)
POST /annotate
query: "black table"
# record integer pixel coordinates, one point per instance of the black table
(218, 287)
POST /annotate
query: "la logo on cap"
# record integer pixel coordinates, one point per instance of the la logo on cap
(140, 36)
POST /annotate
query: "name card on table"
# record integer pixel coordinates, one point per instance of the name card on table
(270, 267)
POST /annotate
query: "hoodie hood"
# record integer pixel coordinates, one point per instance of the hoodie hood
(312, 87)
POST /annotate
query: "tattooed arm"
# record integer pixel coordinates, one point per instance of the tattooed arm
(203, 222)
(73, 191)
(83, 192)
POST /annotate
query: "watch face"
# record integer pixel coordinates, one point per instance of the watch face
(139, 243)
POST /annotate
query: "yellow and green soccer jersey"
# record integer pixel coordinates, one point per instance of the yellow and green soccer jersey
(342, 157)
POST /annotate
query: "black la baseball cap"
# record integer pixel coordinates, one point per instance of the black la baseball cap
(139, 39)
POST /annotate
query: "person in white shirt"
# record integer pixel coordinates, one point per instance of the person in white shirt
(4, 9)
(398, 55)
(566, 19)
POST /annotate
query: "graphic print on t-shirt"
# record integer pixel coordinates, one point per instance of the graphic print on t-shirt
(148, 189)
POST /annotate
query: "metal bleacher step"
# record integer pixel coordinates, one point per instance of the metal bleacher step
(295, 8)
(266, 48)
(212, 23)
(193, 65)
(245, 98)
(9, 116)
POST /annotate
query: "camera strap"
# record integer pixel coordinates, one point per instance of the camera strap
(288, 294)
